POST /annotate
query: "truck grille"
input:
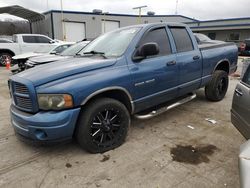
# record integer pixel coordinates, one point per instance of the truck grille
(20, 88)
(23, 102)
(21, 96)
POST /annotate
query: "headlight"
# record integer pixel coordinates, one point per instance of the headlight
(54, 101)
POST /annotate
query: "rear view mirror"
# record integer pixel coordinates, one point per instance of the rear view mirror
(148, 49)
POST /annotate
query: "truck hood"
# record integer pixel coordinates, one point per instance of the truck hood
(26, 55)
(58, 70)
(46, 59)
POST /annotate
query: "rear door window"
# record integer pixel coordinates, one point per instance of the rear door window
(160, 37)
(182, 39)
(246, 78)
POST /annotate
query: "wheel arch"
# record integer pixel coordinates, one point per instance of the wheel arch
(116, 92)
(223, 65)
(7, 51)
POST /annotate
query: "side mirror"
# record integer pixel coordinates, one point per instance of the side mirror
(148, 49)
(52, 41)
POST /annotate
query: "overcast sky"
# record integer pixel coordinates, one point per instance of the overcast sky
(199, 9)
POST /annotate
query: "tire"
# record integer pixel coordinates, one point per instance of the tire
(3, 56)
(102, 125)
(217, 87)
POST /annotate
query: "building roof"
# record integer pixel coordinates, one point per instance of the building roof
(221, 24)
(113, 14)
(22, 13)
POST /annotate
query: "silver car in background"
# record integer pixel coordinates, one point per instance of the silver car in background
(240, 117)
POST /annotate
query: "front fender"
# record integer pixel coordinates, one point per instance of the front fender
(86, 85)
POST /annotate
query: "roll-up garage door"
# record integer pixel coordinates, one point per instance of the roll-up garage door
(74, 31)
(109, 26)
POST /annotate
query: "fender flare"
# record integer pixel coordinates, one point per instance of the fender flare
(112, 88)
(223, 60)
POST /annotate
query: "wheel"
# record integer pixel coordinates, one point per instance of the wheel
(217, 87)
(102, 125)
(4, 57)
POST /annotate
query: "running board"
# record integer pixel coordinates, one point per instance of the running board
(166, 108)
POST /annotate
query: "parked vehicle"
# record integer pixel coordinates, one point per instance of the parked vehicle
(244, 163)
(241, 105)
(202, 39)
(19, 60)
(241, 120)
(44, 59)
(244, 48)
(129, 71)
(2, 40)
(22, 43)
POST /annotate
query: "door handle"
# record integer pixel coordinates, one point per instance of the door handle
(171, 63)
(238, 92)
(196, 57)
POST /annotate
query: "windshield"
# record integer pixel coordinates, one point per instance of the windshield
(112, 44)
(74, 49)
(45, 49)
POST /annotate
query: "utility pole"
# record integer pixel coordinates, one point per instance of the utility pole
(139, 8)
(63, 25)
(176, 8)
(104, 21)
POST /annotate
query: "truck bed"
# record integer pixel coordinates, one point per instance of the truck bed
(206, 46)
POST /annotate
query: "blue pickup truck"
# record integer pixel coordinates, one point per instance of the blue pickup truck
(139, 70)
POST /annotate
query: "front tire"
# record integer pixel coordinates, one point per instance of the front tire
(103, 125)
(4, 57)
(217, 87)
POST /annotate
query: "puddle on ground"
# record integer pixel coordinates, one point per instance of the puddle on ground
(68, 165)
(192, 155)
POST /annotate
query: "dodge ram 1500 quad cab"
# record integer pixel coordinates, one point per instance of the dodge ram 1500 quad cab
(139, 70)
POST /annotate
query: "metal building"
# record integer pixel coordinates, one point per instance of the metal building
(75, 26)
(231, 30)
(80, 25)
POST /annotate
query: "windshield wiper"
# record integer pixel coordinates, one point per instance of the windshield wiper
(96, 53)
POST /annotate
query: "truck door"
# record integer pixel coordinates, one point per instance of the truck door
(241, 105)
(32, 42)
(188, 59)
(28, 43)
(155, 77)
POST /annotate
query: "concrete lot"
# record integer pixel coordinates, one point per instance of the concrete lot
(145, 159)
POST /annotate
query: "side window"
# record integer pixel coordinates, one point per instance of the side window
(160, 37)
(246, 78)
(41, 39)
(182, 39)
(29, 39)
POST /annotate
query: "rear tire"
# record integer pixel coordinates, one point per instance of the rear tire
(3, 57)
(103, 125)
(217, 87)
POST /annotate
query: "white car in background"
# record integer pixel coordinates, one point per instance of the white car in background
(23, 43)
(20, 60)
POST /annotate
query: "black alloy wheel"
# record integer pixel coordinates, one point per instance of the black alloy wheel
(103, 125)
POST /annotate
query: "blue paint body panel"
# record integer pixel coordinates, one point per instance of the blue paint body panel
(146, 83)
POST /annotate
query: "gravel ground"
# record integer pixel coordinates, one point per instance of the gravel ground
(176, 149)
